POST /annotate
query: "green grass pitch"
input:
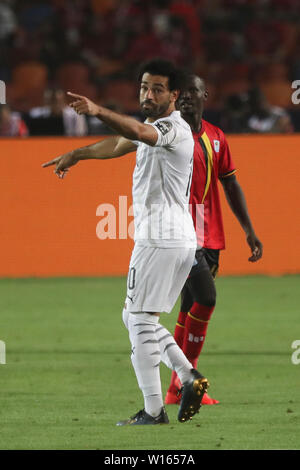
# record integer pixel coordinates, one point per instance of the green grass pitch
(68, 376)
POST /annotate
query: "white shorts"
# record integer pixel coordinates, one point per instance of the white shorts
(156, 277)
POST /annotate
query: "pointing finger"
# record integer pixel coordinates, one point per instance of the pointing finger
(51, 162)
(75, 95)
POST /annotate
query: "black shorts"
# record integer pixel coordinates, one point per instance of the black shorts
(207, 259)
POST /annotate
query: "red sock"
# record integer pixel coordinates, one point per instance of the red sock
(195, 331)
(179, 338)
(180, 328)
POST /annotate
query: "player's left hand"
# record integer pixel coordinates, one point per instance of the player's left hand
(62, 163)
(256, 248)
(82, 105)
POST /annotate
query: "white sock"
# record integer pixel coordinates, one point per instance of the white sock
(165, 341)
(146, 359)
(171, 354)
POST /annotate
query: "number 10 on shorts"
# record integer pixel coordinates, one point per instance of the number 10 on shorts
(131, 279)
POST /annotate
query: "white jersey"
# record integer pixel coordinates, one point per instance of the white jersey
(161, 186)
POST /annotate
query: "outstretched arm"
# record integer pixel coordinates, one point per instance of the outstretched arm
(237, 202)
(124, 125)
(111, 147)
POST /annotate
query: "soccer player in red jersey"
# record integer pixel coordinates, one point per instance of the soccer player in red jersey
(212, 163)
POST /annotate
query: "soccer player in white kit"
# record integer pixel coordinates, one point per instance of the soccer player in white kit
(165, 240)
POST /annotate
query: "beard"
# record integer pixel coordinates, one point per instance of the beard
(152, 110)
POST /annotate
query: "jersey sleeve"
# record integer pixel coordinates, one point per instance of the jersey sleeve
(166, 131)
(226, 165)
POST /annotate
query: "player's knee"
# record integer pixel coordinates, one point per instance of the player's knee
(186, 305)
(211, 300)
(207, 298)
(186, 300)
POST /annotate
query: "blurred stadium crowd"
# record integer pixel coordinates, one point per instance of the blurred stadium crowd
(247, 50)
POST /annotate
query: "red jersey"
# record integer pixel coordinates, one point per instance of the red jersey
(212, 160)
